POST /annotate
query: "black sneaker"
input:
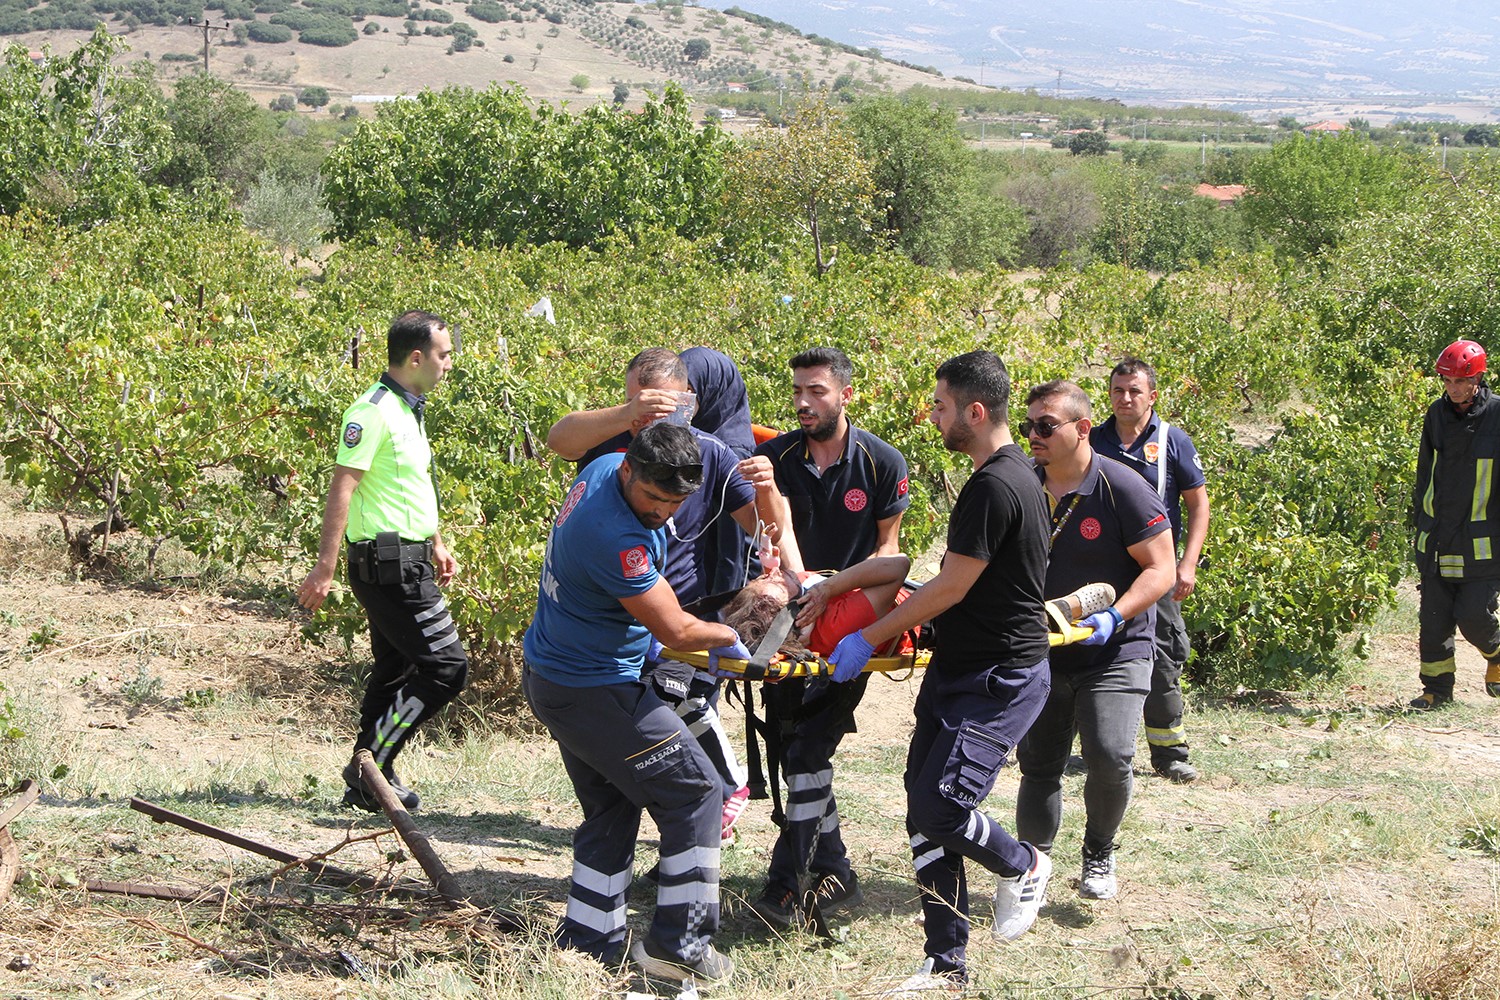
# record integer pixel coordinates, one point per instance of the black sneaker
(1428, 700)
(778, 909)
(358, 796)
(834, 892)
(714, 966)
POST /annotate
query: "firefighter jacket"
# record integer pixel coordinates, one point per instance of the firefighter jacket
(1455, 501)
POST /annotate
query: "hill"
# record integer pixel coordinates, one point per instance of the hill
(1304, 57)
(543, 49)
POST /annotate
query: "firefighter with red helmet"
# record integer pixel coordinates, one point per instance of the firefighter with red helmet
(1458, 524)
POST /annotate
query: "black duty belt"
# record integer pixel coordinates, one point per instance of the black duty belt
(404, 550)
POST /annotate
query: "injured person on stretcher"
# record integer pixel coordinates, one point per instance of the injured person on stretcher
(831, 607)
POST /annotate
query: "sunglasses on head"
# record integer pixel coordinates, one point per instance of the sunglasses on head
(661, 471)
(1042, 427)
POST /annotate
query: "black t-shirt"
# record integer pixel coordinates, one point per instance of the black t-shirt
(1001, 518)
(836, 514)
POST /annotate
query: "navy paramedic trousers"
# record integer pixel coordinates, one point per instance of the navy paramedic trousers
(420, 664)
(815, 714)
(626, 751)
(966, 727)
(1165, 734)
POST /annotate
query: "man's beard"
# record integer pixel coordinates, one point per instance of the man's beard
(825, 428)
(958, 438)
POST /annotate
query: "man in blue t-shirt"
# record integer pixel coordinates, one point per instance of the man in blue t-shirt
(1165, 456)
(600, 601)
(656, 389)
(1108, 526)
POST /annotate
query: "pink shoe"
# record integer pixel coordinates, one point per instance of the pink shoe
(733, 807)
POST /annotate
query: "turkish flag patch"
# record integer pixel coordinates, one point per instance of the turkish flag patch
(902, 487)
(1158, 519)
(634, 562)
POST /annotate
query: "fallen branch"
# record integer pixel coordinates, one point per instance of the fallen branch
(421, 848)
(162, 815)
(29, 791)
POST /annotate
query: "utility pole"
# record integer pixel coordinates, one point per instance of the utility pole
(1057, 91)
(207, 27)
(981, 72)
(1203, 151)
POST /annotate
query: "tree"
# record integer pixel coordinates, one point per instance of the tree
(622, 93)
(1306, 190)
(810, 173)
(1482, 135)
(1091, 142)
(580, 82)
(284, 102)
(313, 97)
(929, 199)
(489, 168)
(219, 133)
(696, 49)
(80, 138)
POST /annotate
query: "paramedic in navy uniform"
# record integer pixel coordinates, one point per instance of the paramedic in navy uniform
(847, 490)
(600, 601)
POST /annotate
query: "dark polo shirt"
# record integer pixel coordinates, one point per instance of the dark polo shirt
(1112, 509)
(835, 514)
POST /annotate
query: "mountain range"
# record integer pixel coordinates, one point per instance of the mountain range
(1220, 51)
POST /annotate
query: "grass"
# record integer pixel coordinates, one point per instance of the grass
(1336, 847)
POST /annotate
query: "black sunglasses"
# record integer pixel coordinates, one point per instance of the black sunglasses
(661, 471)
(1042, 428)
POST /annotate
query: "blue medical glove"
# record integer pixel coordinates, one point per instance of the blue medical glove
(850, 656)
(653, 651)
(1104, 625)
(734, 651)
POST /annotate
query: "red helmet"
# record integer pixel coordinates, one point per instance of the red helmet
(1461, 359)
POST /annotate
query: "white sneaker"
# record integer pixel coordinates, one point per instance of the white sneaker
(1098, 880)
(1017, 900)
(925, 981)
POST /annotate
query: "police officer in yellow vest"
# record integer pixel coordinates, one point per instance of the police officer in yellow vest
(1457, 520)
(382, 500)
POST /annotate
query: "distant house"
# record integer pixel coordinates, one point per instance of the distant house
(1224, 194)
(735, 87)
(1325, 127)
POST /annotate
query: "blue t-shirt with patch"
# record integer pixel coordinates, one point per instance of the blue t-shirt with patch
(597, 553)
(701, 562)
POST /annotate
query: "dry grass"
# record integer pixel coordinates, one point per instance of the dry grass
(1335, 848)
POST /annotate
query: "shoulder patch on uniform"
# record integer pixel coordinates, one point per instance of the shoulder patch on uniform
(903, 486)
(1158, 519)
(634, 562)
(1153, 452)
(352, 433)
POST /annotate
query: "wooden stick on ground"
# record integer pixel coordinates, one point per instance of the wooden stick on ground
(375, 783)
(163, 815)
(29, 791)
